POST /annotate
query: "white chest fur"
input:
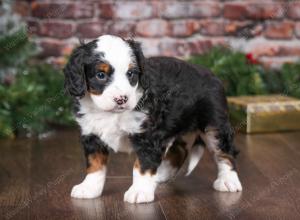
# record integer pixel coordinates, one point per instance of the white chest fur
(112, 128)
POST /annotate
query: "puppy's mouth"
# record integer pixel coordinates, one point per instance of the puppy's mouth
(120, 109)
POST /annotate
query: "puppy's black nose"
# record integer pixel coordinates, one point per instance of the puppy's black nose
(121, 100)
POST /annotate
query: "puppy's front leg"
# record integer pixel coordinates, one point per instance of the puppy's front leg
(143, 187)
(149, 151)
(96, 153)
(145, 181)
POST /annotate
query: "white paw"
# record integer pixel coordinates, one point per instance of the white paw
(228, 182)
(90, 188)
(83, 191)
(138, 195)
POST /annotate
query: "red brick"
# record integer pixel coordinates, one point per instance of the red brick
(212, 28)
(152, 28)
(204, 9)
(246, 29)
(33, 27)
(276, 62)
(146, 18)
(200, 46)
(51, 47)
(62, 10)
(91, 29)
(56, 29)
(106, 10)
(280, 30)
(253, 10)
(173, 47)
(297, 29)
(218, 41)
(150, 46)
(190, 9)
(271, 49)
(263, 48)
(122, 28)
(58, 62)
(126, 10)
(183, 28)
(294, 10)
(22, 8)
(233, 27)
(235, 10)
(268, 10)
(293, 50)
(134, 10)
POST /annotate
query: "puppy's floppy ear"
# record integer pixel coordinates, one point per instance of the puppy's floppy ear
(137, 50)
(74, 73)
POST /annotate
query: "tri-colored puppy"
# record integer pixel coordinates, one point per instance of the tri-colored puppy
(164, 109)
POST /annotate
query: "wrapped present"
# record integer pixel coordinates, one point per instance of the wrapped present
(271, 113)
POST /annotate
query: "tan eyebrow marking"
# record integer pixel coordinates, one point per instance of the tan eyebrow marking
(131, 65)
(104, 67)
(94, 92)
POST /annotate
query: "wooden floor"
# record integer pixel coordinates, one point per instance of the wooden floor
(36, 178)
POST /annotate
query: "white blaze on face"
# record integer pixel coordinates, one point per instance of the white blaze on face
(119, 55)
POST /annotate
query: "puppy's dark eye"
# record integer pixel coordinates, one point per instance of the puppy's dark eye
(100, 75)
(130, 73)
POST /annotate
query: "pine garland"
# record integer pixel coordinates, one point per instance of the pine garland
(243, 75)
(15, 47)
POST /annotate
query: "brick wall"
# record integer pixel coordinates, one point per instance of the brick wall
(269, 29)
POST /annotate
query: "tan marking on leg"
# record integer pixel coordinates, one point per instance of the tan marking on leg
(92, 185)
(143, 186)
(225, 158)
(96, 162)
(211, 142)
(137, 166)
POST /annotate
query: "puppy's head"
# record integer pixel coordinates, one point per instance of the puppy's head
(107, 69)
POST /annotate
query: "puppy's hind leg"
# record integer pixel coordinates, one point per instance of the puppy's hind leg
(176, 155)
(195, 155)
(172, 161)
(219, 143)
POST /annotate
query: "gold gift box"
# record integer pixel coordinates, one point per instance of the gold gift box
(270, 113)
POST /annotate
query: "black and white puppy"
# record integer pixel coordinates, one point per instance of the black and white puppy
(164, 109)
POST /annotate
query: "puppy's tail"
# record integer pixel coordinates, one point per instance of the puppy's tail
(194, 158)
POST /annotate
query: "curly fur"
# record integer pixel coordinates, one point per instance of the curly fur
(173, 98)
